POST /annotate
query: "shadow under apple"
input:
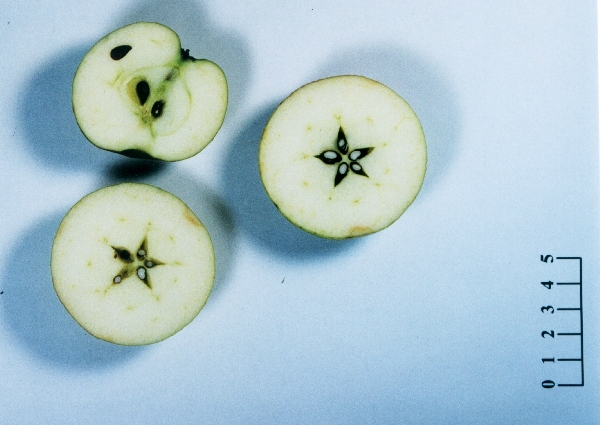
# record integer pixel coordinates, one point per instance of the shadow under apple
(46, 116)
(36, 316)
(201, 199)
(254, 211)
(423, 85)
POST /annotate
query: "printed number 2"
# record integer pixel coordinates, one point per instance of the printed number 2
(546, 258)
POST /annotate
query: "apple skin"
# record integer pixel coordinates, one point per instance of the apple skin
(132, 264)
(354, 189)
(116, 112)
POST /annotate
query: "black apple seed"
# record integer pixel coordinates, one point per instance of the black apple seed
(142, 90)
(119, 52)
(157, 108)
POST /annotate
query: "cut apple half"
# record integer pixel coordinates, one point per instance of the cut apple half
(343, 157)
(132, 264)
(138, 93)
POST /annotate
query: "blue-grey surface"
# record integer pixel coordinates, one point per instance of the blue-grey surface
(436, 320)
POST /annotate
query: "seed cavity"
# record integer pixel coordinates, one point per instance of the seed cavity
(342, 172)
(357, 169)
(119, 52)
(157, 108)
(123, 254)
(138, 264)
(337, 156)
(330, 157)
(142, 89)
(342, 144)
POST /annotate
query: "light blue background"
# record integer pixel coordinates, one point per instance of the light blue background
(434, 320)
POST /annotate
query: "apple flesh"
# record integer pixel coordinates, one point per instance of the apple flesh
(132, 264)
(138, 93)
(343, 157)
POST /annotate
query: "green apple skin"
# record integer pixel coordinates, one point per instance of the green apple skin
(138, 93)
(132, 264)
(380, 173)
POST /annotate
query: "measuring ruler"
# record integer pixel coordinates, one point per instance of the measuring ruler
(565, 322)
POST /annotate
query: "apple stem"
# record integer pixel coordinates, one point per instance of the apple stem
(185, 55)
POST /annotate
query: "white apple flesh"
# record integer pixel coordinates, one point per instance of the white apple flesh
(343, 157)
(132, 264)
(136, 92)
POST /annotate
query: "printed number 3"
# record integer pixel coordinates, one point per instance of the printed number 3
(548, 308)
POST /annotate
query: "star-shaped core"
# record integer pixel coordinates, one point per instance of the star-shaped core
(346, 160)
(138, 263)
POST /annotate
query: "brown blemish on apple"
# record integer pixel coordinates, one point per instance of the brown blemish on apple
(359, 230)
(189, 216)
